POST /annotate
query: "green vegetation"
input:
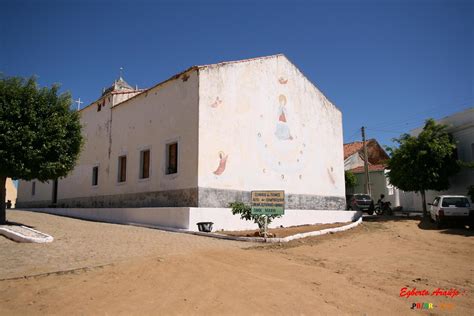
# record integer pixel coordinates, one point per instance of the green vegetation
(351, 179)
(245, 213)
(425, 162)
(40, 137)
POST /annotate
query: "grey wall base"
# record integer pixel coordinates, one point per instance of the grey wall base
(192, 197)
(209, 197)
(33, 204)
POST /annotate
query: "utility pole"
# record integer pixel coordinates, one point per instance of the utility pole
(366, 164)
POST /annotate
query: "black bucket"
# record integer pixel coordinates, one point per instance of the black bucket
(205, 226)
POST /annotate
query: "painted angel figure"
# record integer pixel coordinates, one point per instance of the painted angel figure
(222, 163)
(282, 131)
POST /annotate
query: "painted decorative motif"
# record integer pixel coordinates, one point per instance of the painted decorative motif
(282, 131)
(282, 144)
(216, 103)
(284, 136)
(222, 163)
(331, 176)
(282, 80)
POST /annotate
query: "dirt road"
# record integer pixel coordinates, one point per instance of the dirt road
(357, 272)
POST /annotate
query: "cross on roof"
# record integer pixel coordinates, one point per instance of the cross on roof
(79, 102)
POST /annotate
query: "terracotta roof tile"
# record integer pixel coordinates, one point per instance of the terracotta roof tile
(352, 148)
(371, 168)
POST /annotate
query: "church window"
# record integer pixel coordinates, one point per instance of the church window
(145, 164)
(33, 188)
(122, 169)
(95, 175)
(172, 158)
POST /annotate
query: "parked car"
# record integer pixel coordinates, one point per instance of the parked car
(451, 209)
(360, 202)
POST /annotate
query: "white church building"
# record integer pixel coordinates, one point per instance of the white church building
(178, 153)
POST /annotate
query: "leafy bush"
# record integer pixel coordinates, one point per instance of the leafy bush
(351, 180)
(245, 213)
(424, 162)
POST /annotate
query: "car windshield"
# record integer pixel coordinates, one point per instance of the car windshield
(362, 197)
(456, 201)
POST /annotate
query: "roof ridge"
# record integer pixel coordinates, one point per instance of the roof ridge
(175, 76)
(358, 141)
(240, 60)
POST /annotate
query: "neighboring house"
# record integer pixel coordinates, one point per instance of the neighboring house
(461, 127)
(354, 162)
(354, 154)
(204, 138)
(11, 192)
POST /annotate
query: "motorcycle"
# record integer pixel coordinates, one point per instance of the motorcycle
(383, 208)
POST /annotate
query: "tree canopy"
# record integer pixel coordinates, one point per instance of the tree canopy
(40, 136)
(350, 179)
(423, 162)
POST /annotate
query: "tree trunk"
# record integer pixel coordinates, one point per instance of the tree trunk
(3, 195)
(423, 200)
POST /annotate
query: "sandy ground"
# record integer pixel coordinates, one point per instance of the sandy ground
(358, 272)
(79, 243)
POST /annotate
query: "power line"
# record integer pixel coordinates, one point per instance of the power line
(425, 113)
(356, 132)
(405, 125)
(385, 131)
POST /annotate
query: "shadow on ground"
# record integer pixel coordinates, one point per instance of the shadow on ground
(450, 229)
(424, 224)
(18, 224)
(386, 218)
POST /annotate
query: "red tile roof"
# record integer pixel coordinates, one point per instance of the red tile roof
(371, 168)
(376, 154)
(352, 148)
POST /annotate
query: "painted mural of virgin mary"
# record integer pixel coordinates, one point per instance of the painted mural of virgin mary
(282, 131)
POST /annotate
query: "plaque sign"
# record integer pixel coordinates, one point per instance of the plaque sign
(268, 202)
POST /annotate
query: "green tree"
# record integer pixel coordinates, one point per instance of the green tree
(245, 212)
(350, 178)
(424, 162)
(40, 137)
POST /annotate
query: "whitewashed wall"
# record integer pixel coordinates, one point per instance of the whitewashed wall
(353, 161)
(165, 113)
(243, 143)
(96, 127)
(172, 217)
(43, 191)
(168, 112)
(257, 124)
(11, 191)
(224, 220)
(187, 217)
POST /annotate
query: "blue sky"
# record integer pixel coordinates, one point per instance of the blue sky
(387, 65)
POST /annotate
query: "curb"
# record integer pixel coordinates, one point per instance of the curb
(259, 239)
(19, 237)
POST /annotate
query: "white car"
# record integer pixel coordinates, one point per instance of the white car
(451, 208)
